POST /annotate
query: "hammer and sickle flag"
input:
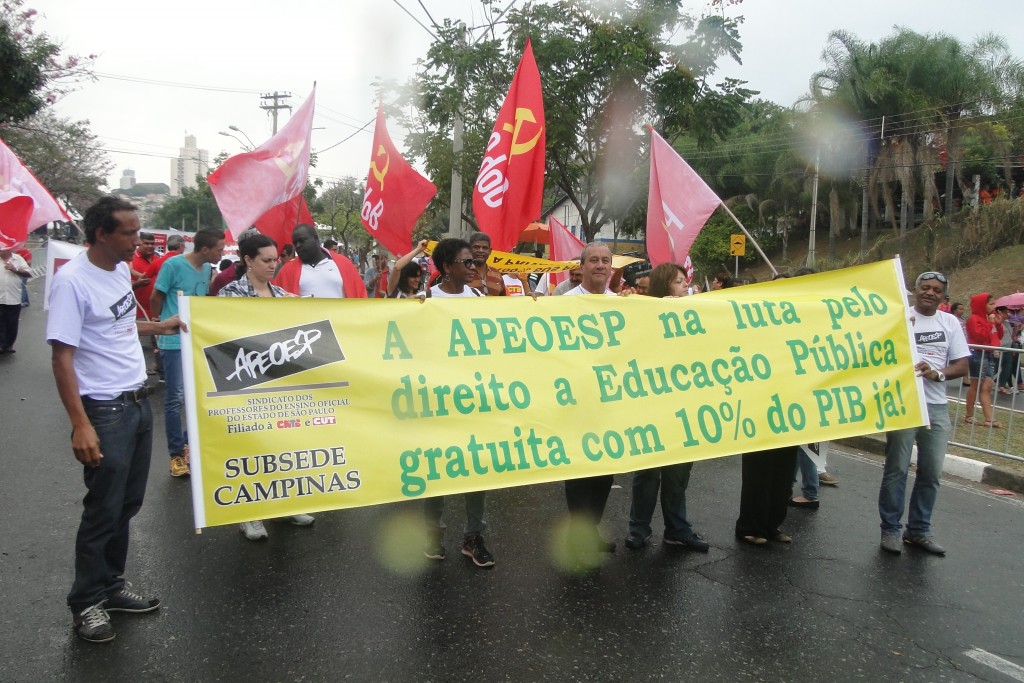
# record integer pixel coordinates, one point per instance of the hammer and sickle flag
(509, 189)
(402, 192)
(247, 185)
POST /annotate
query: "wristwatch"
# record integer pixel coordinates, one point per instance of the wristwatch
(939, 376)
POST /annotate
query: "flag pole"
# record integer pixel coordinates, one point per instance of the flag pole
(750, 237)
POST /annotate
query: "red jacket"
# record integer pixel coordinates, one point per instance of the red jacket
(981, 330)
(288, 277)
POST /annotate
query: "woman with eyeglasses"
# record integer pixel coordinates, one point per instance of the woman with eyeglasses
(454, 262)
(257, 262)
(667, 280)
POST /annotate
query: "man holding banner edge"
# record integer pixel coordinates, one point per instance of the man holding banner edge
(944, 352)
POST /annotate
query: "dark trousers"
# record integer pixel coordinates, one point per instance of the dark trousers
(115, 492)
(672, 480)
(587, 497)
(9, 315)
(767, 487)
(1010, 361)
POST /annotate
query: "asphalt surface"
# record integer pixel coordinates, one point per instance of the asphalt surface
(352, 599)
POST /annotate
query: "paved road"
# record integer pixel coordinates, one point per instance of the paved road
(350, 599)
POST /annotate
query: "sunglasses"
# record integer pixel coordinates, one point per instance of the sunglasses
(932, 275)
(470, 262)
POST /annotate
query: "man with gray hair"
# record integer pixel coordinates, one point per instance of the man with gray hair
(943, 351)
(586, 497)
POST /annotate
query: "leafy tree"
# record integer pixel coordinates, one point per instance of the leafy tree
(62, 155)
(606, 70)
(338, 207)
(35, 73)
(931, 89)
(194, 209)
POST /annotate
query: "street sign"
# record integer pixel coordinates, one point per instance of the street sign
(737, 245)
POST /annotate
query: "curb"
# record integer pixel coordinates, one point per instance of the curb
(955, 465)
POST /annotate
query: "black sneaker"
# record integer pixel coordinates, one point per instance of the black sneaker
(635, 541)
(474, 549)
(695, 542)
(93, 624)
(127, 601)
(433, 549)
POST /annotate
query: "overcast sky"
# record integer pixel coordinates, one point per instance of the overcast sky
(236, 50)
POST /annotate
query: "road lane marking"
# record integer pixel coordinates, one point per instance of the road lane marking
(998, 663)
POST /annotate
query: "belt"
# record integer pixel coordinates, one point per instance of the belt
(133, 396)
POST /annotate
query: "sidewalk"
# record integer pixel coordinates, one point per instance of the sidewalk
(955, 465)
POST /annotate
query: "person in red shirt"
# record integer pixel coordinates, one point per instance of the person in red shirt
(982, 330)
(142, 285)
(175, 246)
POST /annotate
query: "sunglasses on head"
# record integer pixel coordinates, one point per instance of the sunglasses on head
(932, 275)
(470, 262)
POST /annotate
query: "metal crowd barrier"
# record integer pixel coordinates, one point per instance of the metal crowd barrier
(1007, 408)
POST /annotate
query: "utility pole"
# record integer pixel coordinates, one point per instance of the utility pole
(278, 99)
(455, 207)
(814, 209)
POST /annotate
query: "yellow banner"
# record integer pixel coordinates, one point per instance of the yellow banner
(505, 262)
(299, 405)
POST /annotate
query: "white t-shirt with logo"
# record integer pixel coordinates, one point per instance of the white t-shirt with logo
(322, 281)
(513, 285)
(94, 310)
(940, 341)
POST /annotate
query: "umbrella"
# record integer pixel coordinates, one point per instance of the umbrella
(539, 233)
(1015, 300)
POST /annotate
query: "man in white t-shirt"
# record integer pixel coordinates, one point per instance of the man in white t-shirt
(100, 373)
(586, 497)
(943, 350)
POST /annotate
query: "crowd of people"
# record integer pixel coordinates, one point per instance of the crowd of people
(101, 372)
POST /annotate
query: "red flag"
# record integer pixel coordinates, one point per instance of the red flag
(564, 246)
(678, 206)
(509, 189)
(24, 203)
(247, 185)
(280, 221)
(396, 194)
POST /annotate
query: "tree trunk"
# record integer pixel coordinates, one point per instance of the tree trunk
(952, 152)
(864, 216)
(835, 220)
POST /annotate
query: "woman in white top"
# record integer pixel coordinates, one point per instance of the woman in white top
(255, 269)
(455, 266)
(455, 263)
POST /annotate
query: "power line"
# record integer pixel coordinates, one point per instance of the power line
(365, 126)
(150, 81)
(413, 16)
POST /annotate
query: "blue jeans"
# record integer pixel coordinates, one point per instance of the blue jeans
(174, 398)
(808, 475)
(673, 480)
(115, 492)
(931, 452)
(433, 509)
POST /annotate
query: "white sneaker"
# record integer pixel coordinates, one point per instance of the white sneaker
(302, 520)
(254, 531)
